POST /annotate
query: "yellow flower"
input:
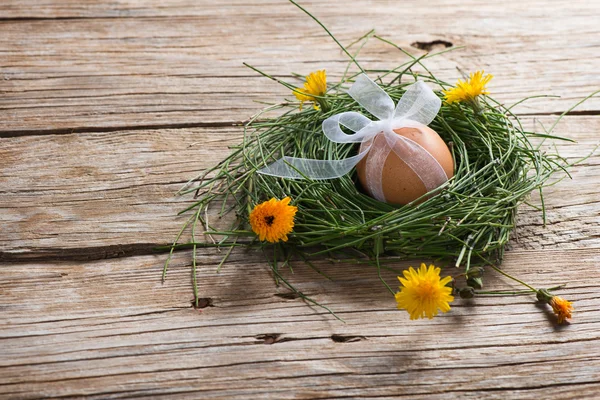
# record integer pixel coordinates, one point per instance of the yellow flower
(562, 308)
(273, 220)
(468, 90)
(315, 85)
(423, 293)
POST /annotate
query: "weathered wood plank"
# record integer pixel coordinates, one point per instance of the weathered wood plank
(108, 328)
(476, 9)
(151, 90)
(110, 182)
(111, 73)
(49, 9)
(97, 195)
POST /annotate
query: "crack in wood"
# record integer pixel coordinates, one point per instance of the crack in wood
(98, 129)
(287, 296)
(347, 338)
(432, 45)
(203, 302)
(80, 253)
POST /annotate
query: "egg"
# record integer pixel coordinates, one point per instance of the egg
(400, 184)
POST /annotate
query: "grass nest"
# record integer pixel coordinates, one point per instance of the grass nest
(466, 224)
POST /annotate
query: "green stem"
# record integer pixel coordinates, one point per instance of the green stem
(513, 292)
(378, 250)
(194, 248)
(514, 279)
(329, 33)
(323, 104)
(172, 249)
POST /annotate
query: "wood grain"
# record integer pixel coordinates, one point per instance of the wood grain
(63, 336)
(165, 70)
(107, 108)
(107, 194)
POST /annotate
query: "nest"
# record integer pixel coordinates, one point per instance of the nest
(467, 223)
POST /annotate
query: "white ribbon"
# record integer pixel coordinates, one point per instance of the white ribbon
(417, 108)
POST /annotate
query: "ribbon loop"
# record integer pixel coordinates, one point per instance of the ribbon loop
(354, 121)
(417, 107)
(369, 95)
(418, 104)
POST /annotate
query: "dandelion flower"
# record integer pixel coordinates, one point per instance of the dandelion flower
(423, 293)
(562, 308)
(315, 85)
(468, 90)
(272, 220)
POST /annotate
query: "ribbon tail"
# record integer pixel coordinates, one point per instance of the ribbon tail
(362, 127)
(306, 168)
(374, 171)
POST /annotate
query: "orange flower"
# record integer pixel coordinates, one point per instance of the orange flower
(562, 308)
(272, 220)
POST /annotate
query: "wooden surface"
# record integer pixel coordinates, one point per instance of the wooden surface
(107, 108)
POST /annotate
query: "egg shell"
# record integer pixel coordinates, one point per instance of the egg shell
(400, 183)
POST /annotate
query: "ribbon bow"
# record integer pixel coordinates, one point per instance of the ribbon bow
(417, 107)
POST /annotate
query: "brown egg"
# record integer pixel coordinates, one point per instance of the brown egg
(400, 183)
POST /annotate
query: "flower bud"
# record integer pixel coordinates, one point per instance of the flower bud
(544, 295)
(476, 283)
(475, 272)
(466, 292)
